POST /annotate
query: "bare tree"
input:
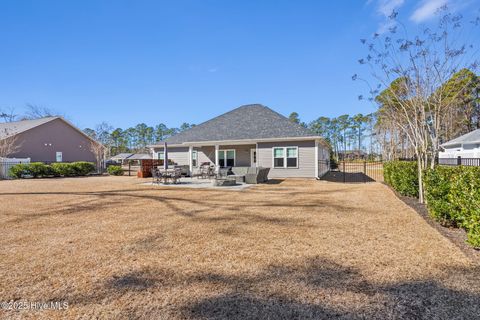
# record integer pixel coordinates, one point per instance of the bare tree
(37, 112)
(8, 114)
(413, 71)
(99, 152)
(8, 143)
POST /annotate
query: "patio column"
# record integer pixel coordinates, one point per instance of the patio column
(316, 159)
(217, 147)
(190, 157)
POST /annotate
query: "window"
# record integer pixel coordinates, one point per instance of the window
(230, 158)
(161, 157)
(226, 158)
(285, 157)
(278, 158)
(194, 158)
(292, 157)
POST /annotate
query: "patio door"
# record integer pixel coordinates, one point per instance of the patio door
(226, 158)
(253, 157)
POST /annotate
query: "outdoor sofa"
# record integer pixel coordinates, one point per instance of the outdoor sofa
(250, 175)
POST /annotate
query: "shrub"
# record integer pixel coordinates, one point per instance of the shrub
(64, 169)
(402, 176)
(83, 168)
(437, 186)
(39, 169)
(34, 170)
(115, 170)
(453, 198)
(20, 170)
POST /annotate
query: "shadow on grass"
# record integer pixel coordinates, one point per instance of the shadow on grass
(309, 289)
(235, 209)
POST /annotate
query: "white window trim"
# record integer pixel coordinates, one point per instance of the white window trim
(284, 157)
(225, 156)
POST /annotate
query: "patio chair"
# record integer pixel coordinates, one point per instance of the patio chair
(156, 176)
(259, 175)
(175, 176)
(205, 172)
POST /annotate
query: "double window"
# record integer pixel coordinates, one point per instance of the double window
(226, 158)
(285, 157)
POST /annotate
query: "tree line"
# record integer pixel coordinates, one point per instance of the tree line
(133, 139)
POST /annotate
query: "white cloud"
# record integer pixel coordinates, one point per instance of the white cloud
(386, 7)
(212, 70)
(427, 10)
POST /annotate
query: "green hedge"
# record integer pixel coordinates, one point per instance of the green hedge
(452, 194)
(402, 176)
(41, 170)
(453, 198)
(115, 170)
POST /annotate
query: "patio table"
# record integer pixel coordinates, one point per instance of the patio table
(165, 174)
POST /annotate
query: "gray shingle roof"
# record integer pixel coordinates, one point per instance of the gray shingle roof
(13, 128)
(122, 156)
(253, 121)
(471, 137)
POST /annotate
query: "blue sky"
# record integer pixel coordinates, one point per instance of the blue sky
(127, 62)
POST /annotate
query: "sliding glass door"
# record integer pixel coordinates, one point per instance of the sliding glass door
(226, 158)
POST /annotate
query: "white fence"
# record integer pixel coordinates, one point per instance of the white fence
(7, 163)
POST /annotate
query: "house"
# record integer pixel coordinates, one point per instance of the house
(466, 146)
(50, 139)
(125, 158)
(352, 154)
(121, 158)
(250, 136)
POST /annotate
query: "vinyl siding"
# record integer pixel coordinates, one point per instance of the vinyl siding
(43, 142)
(306, 159)
(179, 155)
(206, 154)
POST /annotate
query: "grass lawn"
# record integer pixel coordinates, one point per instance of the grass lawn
(113, 248)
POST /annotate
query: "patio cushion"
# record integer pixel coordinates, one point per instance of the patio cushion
(240, 171)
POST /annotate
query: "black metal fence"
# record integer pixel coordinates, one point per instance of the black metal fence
(356, 172)
(473, 162)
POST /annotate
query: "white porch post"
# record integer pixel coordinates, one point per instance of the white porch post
(152, 150)
(217, 147)
(256, 152)
(190, 159)
(316, 159)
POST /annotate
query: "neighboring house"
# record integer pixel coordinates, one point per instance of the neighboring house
(466, 146)
(50, 139)
(121, 157)
(251, 135)
(124, 158)
(352, 154)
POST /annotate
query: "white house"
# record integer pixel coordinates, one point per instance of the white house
(466, 146)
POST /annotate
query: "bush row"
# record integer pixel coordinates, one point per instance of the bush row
(40, 169)
(453, 198)
(402, 176)
(452, 194)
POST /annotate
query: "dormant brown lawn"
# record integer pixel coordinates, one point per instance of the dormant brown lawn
(113, 248)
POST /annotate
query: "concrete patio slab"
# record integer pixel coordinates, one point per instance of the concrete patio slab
(196, 183)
